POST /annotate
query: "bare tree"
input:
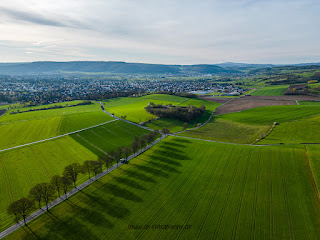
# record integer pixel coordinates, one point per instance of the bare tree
(143, 142)
(56, 182)
(72, 170)
(87, 167)
(13, 210)
(66, 184)
(165, 130)
(135, 145)
(127, 151)
(108, 160)
(25, 206)
(36, 193)
(185, 126)
(118, 155)
(48, 193)
(96, 167)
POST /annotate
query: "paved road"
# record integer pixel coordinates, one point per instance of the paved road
(74, 191)
(66, 134)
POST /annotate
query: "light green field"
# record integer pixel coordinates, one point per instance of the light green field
(133, 108)
(269, 115)
(223, 130)
(300, 131)
(309, 103)
(222, 191)
(22, 168)
(271, 91)
(18, 133)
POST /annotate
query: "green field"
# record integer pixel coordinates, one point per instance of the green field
(222, 191)
(300, 131)
(133, 109)
(269, 115)
(309, 103)
(54, 123)
(224, 130)
(271, 91)
(22, 168)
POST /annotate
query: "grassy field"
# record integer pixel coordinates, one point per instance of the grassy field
(309, 103)
(22, 168)
(269, 115)
(133, 108)
(223, 130)
(301, 131)
(271, 91)
(221, 191)
(314, 161)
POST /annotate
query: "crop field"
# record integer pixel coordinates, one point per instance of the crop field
(224, 130)
(271, 91)
(310, 103)
(215, 99)
(217, 191)
(241, 104)
(269, 115)
(300, 131)
(284, 97)
(22, 168)
(18, 133)
(313, 153)
(133, 109)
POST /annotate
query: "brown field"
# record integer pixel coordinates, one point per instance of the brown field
(240, 104)
(215, 99)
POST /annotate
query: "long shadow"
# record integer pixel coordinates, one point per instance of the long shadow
(165, 160)
(130, 183)
(172, 149)
(31, 234)
(172, 155)
(139, 175)
(154, 171)
(171, 143)
(164, 167)
(121, 192)
(181, 140)
(110, 206)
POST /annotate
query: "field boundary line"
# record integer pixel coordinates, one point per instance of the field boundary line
(59, 136)
(121, 119)
(314, 181)
(75, 190)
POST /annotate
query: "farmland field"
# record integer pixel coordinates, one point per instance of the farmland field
(133, 109)
(242, 104)
(271, 91)
(218, 191)
(22, 168)
(223, 130)
(300, 131)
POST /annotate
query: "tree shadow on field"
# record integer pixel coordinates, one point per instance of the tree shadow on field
(173, 144)
(139, 175)
(31, 234)
(165, 160)
(130, 183)
(164, 167)
(110, 206)
(120, 192)
(72, 228)
(181, 140)
(151, 170)
(173, 155)
(172, 149)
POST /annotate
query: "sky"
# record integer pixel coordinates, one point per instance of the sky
(166, 31)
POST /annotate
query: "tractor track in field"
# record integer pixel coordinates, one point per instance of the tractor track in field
(59, 136)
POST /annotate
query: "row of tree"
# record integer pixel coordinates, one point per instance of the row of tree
(44, 193)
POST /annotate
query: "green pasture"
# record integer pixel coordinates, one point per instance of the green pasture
(18, 133)
(309, 103)
(23, 168)
(271, 91)
(224, 130)
(133, 109)
(221, 191)
(313, 153)
(269, 115)
(300, 131)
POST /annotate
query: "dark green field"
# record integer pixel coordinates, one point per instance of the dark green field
(219, 191)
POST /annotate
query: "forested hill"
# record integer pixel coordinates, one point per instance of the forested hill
(111, 67)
